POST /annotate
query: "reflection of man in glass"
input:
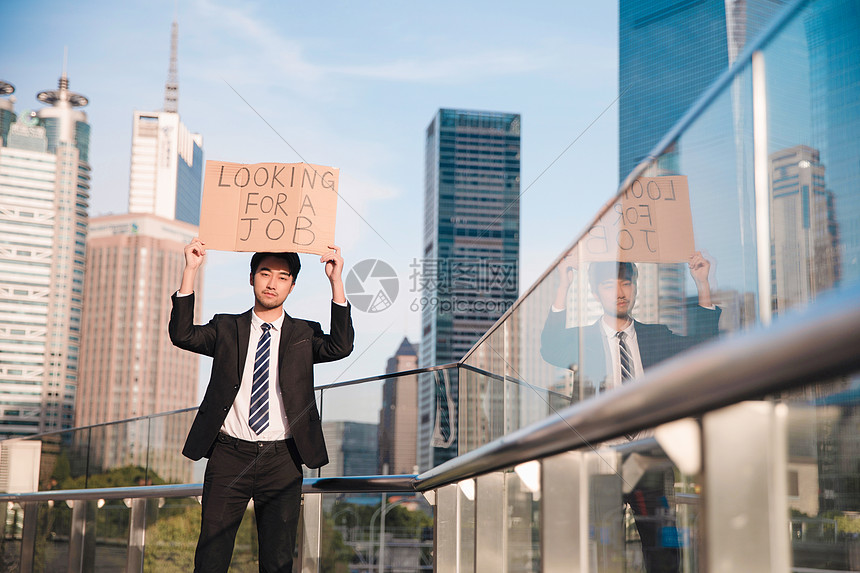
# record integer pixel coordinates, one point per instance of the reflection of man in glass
(614, 285)
(616, 349)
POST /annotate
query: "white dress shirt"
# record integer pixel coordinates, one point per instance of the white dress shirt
(236, 422)
(611, 346)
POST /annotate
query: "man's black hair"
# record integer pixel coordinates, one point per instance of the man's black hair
(292, 260)
(611, 270)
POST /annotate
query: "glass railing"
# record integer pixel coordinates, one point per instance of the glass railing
(759, 183)
(140, 451)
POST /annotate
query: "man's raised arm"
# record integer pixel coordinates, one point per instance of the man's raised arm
(195, 251)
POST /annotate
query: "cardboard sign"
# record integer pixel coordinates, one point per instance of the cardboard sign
(650, 222)
(273, 207)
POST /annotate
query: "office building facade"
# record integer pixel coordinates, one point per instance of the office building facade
(805, 257)
(166, 167)
(44, 198)
(398, 430)
(468, 275)
(129, 368)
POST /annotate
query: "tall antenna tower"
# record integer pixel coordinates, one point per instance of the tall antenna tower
(62, 94)
(171, 87)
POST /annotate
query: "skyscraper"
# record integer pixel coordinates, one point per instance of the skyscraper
(804, 233)
(44, 197)
(669, 54)
(352, 449)
(166, 159)
(397, 418)
(468, 276)
(831, 34)
(128, 367)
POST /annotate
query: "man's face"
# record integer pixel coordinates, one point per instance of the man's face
(272, 282)
(617, 297)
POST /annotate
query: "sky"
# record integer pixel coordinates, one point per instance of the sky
(350, 85)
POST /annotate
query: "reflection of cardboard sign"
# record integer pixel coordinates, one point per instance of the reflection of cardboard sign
(650, 222)
(273, 207)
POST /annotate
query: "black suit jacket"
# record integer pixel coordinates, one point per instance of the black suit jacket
(560, 345)
(226, 337)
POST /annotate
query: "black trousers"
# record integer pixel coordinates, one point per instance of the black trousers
(270, 474)
(655, 522)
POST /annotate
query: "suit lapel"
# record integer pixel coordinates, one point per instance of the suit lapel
(645, 344)
(287, 329)
(243, 337)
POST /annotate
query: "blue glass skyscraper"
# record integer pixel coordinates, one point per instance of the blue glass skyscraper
(468, 275)
(670, 51)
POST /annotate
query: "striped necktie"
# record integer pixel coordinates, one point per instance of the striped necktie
(626, 368)
(625, 358)
(258, 416)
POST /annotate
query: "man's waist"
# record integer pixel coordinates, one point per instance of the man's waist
(225, 438)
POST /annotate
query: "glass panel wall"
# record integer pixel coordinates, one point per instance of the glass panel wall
(142, 451)
(370, 427)
(361, 530)
(10, 541)
(694, 248)
(172, 527)
(523, 523)
(110, 550)
(824, 474)
(53, 536)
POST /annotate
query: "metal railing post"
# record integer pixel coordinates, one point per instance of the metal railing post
(311, 533)
(136, 536)
(564, 513)
(446, 538)
(745, 492)
(491, 519)
(28, 535)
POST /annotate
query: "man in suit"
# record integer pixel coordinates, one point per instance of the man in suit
(615, 350)
(258, 421)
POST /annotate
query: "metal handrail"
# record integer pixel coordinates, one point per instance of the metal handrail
(346, 484)
(818, 343)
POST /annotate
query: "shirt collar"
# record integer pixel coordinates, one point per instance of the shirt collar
(610, 332)
(257, 322)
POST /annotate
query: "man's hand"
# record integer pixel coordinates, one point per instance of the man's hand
(565, 278)
(333, 270)
(700, 267)
(195, 251)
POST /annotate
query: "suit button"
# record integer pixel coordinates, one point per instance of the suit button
(235, 387)
(226, 408)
